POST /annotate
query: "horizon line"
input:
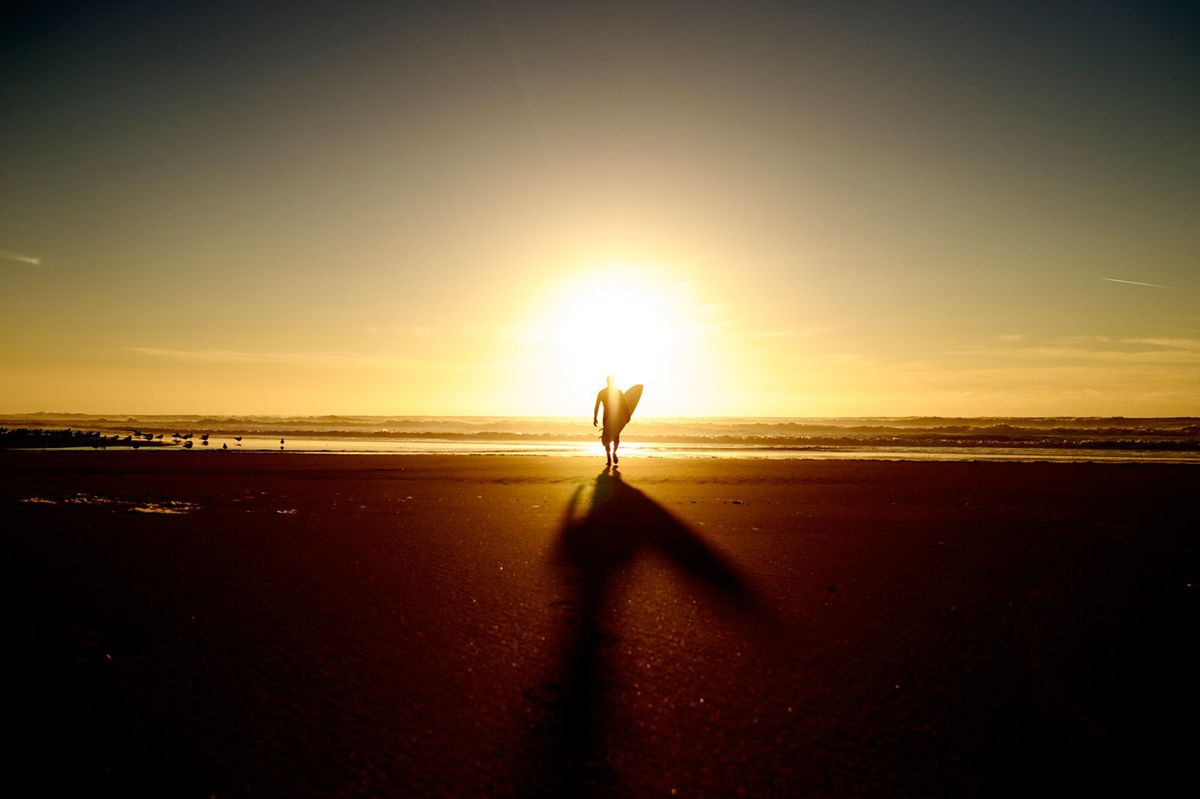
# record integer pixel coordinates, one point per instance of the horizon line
(5, 415)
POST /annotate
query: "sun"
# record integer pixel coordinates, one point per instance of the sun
(633, 323)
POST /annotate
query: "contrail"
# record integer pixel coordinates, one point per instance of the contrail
(1139, 283)
(25, 259)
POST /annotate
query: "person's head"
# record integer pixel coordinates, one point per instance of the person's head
(611, 381)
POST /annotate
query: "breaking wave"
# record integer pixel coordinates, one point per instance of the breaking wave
(1175, 438)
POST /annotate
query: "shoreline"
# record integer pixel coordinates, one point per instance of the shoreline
(1169, 439)
(912, 455)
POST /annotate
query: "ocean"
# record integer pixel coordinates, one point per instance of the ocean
(1158, 440)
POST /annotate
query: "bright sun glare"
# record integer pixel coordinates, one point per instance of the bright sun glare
(629, 323)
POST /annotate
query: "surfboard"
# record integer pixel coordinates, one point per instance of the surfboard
(630, 402)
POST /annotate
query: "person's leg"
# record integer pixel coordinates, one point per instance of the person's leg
(604, 439)
(616, 443)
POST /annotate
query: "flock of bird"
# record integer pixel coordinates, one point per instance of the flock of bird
(183, 439)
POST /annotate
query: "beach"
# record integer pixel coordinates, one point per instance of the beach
(286, 624)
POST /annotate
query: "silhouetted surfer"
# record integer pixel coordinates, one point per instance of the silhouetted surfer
(614, 418)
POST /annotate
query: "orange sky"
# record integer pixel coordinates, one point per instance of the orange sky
(753, 210)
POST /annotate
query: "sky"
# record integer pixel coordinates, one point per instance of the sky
(755, 209)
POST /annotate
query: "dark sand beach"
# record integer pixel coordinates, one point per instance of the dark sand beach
(196, 624)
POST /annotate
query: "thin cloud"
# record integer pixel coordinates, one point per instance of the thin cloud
(1140, 283)
(310, 360)
(763, 334)
(1170, 343)
(1159, 356)
(793, 332)
(1106, 349)
(33, 260)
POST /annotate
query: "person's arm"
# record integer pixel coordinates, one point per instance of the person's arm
(596, 410)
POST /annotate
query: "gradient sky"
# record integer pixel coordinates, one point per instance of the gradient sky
(461, 208)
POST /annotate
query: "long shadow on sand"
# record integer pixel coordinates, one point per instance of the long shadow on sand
(593, 553)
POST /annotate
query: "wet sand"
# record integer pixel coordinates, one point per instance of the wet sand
(191, 624)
